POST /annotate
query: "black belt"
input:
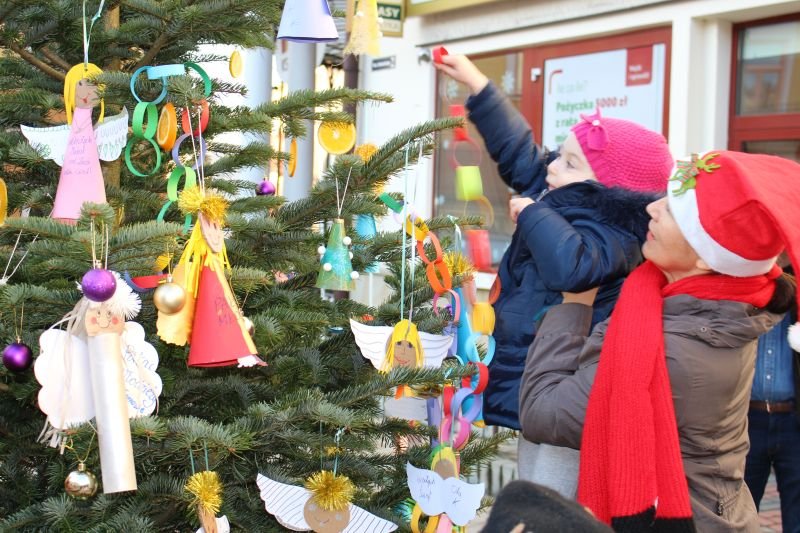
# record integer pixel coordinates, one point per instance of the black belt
(772, 407)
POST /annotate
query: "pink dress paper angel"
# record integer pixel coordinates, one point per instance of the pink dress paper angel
(78, 145)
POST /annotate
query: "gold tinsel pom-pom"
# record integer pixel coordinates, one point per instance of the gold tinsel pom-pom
(194, 200)
(458, 265)
(365, 151)
(332, 493)
(207, 491)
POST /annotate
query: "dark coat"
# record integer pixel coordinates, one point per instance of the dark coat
(576, 237)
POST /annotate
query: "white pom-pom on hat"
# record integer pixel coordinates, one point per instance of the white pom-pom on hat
(794, 336)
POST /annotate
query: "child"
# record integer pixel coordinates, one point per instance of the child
(586, 229)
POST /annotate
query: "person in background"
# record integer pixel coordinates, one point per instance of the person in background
(774, 420)
(585, 229)
(657, 397)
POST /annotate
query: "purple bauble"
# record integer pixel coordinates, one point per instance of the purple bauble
(99, 284)
(17, 357)
(265, 188)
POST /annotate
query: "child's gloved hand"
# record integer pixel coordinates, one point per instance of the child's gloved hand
(461, 69)
(516, 205)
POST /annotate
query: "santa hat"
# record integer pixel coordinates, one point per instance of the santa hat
(623, 153)
(739, 212)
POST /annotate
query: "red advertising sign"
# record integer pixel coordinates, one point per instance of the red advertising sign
(639, 67)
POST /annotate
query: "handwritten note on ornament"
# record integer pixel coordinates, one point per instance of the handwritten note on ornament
(457, 499)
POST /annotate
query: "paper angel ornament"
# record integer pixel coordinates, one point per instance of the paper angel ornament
(101, 367)
(400, 346)
(210, 320)
(336, 272)
(323, 506)
(78, 146)
(441, 494)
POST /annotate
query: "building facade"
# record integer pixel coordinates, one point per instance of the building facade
(706, 73)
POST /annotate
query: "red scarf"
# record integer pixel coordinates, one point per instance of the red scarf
(630, 454)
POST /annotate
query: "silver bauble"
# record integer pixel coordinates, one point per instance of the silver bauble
(81, 484)
(169, 298)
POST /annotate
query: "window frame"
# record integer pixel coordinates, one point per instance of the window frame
(767, 127)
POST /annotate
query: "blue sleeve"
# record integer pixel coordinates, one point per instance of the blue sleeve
(508, 140)
(577, 256)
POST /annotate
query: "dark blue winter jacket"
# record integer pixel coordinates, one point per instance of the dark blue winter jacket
(576, 237)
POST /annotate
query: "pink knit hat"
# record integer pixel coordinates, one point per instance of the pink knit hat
(624, 154)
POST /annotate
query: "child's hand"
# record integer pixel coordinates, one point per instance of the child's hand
(461, 69)
(516, 205)
(585, 298)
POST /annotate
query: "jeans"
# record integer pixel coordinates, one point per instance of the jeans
(775, 443)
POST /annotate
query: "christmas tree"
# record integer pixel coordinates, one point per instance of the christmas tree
(317, 405)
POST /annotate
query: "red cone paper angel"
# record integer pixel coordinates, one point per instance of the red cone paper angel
(210, 320)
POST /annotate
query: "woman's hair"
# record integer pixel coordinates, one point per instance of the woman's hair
(783, 299)
(74, 75)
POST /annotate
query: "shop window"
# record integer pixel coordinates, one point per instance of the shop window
(505, 71)
(765, 114)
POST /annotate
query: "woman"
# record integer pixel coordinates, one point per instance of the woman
(667, 401)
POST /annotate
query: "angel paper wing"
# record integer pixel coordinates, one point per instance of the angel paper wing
(51, 142)
(140, 360)
(457, 499)
(285, 502)
(112, 135)
(62, 369)
(362, 521)
(434, 348)
(372, 341)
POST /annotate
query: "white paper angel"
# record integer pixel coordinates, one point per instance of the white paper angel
(78, 146)
(101, 367)
(298, 508)
(436, 495)
(400, 346)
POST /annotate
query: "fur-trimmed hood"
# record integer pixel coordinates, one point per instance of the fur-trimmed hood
(613, 205)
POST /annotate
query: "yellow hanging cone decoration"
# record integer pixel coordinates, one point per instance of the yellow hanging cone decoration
(331, 492)
(365, 35)
(3, 202)
(207, 491)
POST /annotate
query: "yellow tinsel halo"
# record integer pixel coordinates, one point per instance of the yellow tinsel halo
(195, 200)
(331, 492)
(458, 264)
(207, 491)
(365, 151)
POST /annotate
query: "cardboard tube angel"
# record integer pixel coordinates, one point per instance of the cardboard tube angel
(322, 506)
(210, 320)
(101, 367)
(78, 146)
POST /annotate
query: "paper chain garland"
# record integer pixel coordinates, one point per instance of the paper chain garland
(162, 134)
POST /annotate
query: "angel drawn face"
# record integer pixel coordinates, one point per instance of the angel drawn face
(446, 468)
(405, 355)
(102, 319)
(212, 233)
(323, 521)
(86, 94)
